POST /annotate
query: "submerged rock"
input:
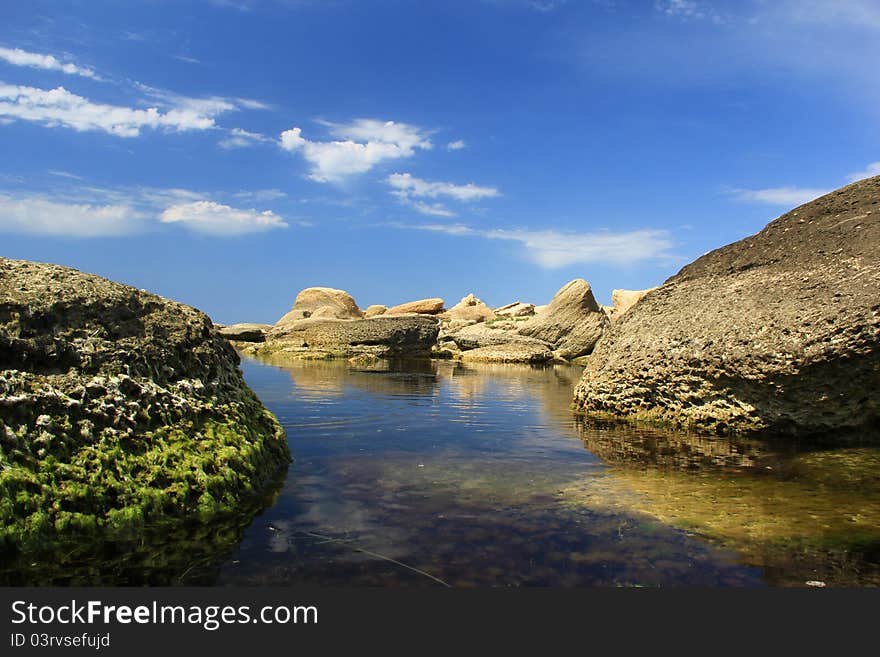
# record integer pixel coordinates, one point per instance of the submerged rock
(572, 323)
(322, 302)
(779, 332)
(119, 407)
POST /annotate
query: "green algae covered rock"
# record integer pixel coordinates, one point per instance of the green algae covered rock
(119, 408)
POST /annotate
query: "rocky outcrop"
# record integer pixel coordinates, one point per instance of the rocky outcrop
(431, 306)
(509, 352)
(516, 309)
(477, 336)
(623, 300)
(245, 332)
(572, 323)
(470, 308)
(119, 407)
(375, 310)
(385, 336)
(323, 302)
(776, 333)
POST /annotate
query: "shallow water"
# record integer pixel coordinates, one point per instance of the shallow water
(442, 474)
(479, 475)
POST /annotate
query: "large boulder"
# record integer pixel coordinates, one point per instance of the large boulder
(470, 308)
(572, 323)
(432, 306)
(323, 302)
(383, 336)
(778, 333)
(244, 332)
(119, 407)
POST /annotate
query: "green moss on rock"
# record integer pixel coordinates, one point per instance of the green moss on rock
(119, 409)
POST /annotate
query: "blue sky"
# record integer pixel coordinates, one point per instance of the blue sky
(229, 153)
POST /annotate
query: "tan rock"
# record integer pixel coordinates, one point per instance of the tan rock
(245, 332)
(572, 323)
(516, 309)
(375, 310)
(510, 352)
(383, 336)
(623, 300)
(430, 306)
(322, 302)
(472, 308)
(480, 335)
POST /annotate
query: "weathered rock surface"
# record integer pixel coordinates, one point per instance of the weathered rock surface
(322, 302)
(470, 308)
(779, 332)
(476, 336)
(516, 309)
(375, 310)
(118, 407)
(510, 352)
(431, 306)
(573, 322)
(383, 336)
(245, 332)
(623, 300)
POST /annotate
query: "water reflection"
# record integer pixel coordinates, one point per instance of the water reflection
(453, 474)
(800, 512)
(439, 473)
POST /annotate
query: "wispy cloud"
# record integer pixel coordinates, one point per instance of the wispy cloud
(238, 138)
(553, 249)
(79, 209)
(37, 215)
(456, 145)
(19, 57)
(59, 107)
(788, 196)
(409, 189)
(362, 145)
(407, 185)
(217, 219)
(870, 171)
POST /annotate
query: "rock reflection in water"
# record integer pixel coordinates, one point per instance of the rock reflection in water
(799, 512)
(450, 473)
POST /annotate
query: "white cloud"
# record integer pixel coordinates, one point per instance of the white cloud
(59, 107)
(870, 171)
(409, 189)
(433, 209)
(239, 138)
(789, 196)
(407, 186)
(363, 144)
(35, 215)
(554, 249)
(456, 145)
(19, 57)
(217, 219)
